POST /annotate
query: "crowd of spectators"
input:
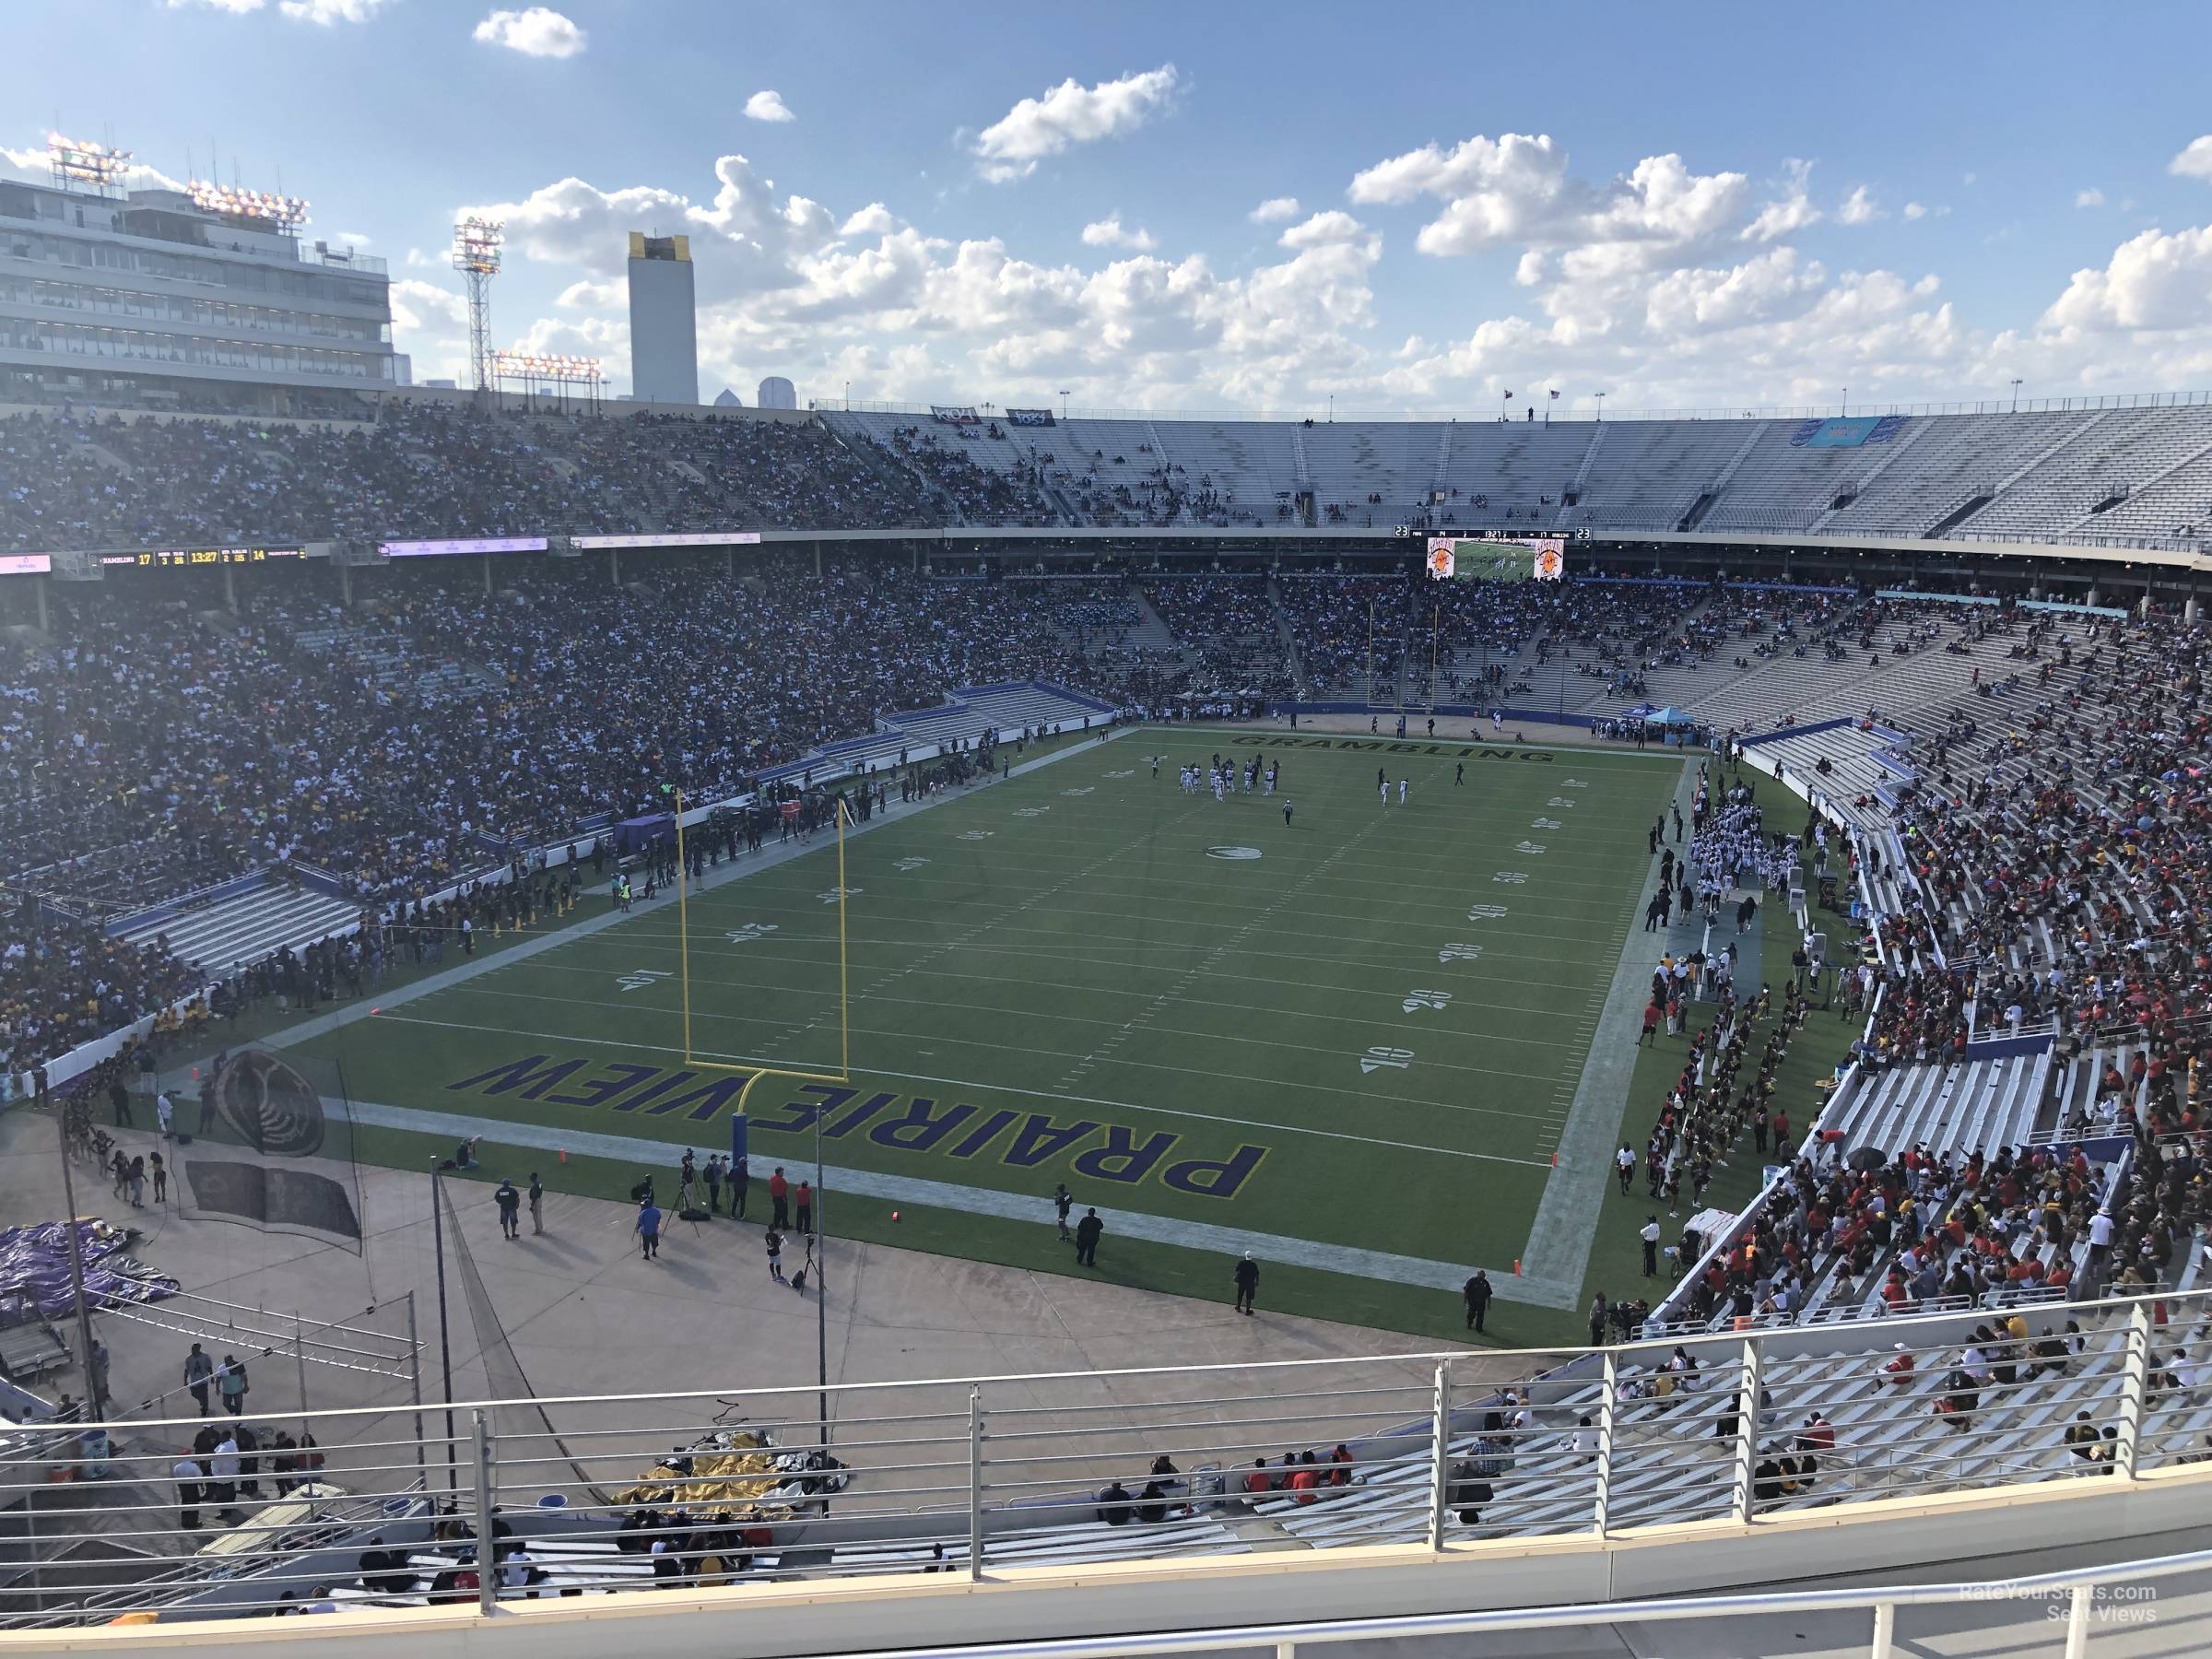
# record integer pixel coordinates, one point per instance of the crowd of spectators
(63, 983)
(428, 470)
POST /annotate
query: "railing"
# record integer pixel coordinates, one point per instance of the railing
(1452, 1450)
(1579, 408)
(2079, 1592)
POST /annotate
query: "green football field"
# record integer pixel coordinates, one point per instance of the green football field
(1349, 1042)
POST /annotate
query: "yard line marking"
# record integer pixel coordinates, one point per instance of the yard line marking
(1092, 991)
(1208, 963)
(1208, 1117)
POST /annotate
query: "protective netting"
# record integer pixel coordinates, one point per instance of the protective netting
(504, 1371)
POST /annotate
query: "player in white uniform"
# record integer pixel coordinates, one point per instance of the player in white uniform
(1402, 792)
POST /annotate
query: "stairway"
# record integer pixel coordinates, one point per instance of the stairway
(1571, 498)
(1295, 664)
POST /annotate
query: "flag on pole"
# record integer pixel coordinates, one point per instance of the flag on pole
(1555, 394)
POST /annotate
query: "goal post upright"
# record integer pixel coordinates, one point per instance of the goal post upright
(845, 1003)
(683, 922)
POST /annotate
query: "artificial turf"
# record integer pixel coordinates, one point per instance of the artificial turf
(1359, 1030)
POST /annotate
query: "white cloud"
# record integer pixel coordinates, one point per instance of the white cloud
(2091, 197)
(1109, 232)
(348, 239)
(587, 295)
(416, 302)
(1790, 211)
(1652, 285)
(1914, 210)
(2153, 281)
(1069, 113)
(1860, 208)
(875, 219)
(322, 12)
(1517, 188)
(2142, 318)
(1273, 209)
(767, 105)
(2195, 162)
(1323, 229)
(327, 12)
(535, 31)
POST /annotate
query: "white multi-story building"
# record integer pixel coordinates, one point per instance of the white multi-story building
(195, 300)
(663, 321)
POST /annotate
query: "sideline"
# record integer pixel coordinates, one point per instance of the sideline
(1557, 1251)
(1227, 1241)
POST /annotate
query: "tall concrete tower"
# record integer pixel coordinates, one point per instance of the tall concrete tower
(664, 323)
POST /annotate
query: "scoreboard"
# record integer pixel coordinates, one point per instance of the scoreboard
(1497, 558)
(186, 559)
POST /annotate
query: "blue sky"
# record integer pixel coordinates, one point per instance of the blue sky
(1719, 205)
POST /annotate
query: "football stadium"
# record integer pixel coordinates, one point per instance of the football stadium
(1047, 988)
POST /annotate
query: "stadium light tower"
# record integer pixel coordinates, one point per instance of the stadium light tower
(477, 244)
(97, 168)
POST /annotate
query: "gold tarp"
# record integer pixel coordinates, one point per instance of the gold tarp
(731, 1469)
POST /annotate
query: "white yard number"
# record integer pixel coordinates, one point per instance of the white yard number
(1545, 824)
(1511, 877)
(1124, 772)
(749, 932)
(1576, 783)
(1081, 788)
(1459, 951)
(1485, 912)
(1377, 1058)
(1031, 811)
(1528, 846)
(1558, 801)
(1418, 1000)
(909, 863)
(975, 835)
(834, 894)
(642, 979)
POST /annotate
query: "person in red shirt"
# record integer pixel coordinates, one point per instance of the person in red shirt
(1256, 1480)
(778, 1198)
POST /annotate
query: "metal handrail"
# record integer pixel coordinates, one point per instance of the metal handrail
(1027, 1478)
(1883, 1601)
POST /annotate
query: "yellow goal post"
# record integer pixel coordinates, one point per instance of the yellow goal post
(844, 1008)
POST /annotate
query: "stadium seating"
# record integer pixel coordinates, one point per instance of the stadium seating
(219, 938)
(420, 468)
